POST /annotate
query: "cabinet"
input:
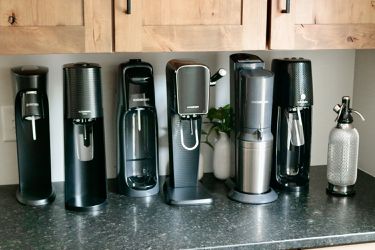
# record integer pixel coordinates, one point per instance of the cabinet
(190, 25)
(58, 26)
(322, 24)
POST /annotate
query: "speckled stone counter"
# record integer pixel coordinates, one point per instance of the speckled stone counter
(293, 221)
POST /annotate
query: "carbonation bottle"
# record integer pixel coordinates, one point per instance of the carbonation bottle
(343, 147)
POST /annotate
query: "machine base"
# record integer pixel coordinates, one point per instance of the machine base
(186, 195)
(77, 205)
(264, 198)
(340, 190)
(141, 193)
(295, 188)
(34, 201)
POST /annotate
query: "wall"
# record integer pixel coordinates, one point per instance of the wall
(333, 73)
(364, 101)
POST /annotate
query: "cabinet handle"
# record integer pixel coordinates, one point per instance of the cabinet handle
(287, 7)
(129, 7)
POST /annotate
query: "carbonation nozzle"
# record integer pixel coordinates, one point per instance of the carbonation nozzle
(345, 111)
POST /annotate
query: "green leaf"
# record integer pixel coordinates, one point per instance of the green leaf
(221, 119)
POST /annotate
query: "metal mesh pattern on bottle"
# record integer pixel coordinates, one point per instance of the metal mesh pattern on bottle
(342, 157)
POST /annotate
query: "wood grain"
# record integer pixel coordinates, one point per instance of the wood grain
(193, 12)
(98, 25)
(282, 26)
(344, 11)
(41, 40)
(42, 12)
(128, 28)
(86, 26)
(323, 24)
(354, 36)
(177, 34)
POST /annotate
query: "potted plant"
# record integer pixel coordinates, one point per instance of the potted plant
(221, 120)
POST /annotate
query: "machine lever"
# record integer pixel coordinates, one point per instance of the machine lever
(196, 137)
(217, 76)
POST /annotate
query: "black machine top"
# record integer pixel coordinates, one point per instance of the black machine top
(293, 82)
(30, 77)
(83, 65)
(82, 91)
(137, 84)
(248, 61)
(188, 84)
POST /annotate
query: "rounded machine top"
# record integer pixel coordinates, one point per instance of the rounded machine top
(30, 70)
(293, 82)
(29, 77)
(82, 65)
(293, 59)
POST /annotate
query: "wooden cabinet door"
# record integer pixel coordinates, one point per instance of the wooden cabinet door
(322, 24)
(190, 25)
(55, 26)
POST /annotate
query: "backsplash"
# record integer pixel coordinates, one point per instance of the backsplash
(333, 76)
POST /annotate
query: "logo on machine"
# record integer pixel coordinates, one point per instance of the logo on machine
(84, 112)
(33, 104)
(259, 102)
(192, 107)
(303, 99)
(141, 99)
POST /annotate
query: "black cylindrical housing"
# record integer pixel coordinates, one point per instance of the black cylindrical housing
(83, 97)
(85, 171)
(33, 152)
(293, 78)
(255, 99)
(31, 101)
(29, 77)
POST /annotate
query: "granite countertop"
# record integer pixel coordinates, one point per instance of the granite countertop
(294, 221)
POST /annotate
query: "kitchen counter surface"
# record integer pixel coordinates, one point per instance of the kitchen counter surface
(311, 219)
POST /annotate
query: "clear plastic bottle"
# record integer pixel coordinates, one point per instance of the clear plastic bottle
(343, 147)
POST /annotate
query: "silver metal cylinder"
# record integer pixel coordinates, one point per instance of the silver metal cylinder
(254, 166)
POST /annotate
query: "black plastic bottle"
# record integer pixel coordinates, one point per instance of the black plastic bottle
(85, 171)
(33, 138)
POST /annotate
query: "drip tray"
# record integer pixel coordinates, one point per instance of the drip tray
(141, 182)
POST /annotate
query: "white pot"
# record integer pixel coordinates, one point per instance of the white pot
(221, 161)
(201, 165)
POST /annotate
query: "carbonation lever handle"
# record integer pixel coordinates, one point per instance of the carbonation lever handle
(196, 137)
(129, 7)
(338, 109)
(287, 7)
(217, 76)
